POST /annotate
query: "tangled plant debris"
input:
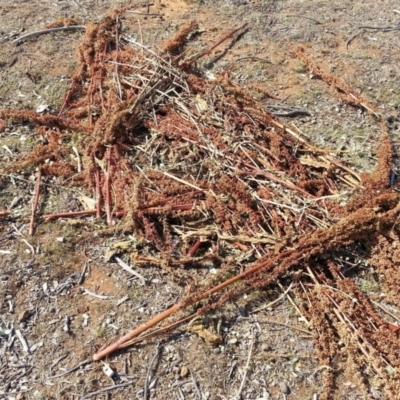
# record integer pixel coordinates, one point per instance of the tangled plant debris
(203, 175)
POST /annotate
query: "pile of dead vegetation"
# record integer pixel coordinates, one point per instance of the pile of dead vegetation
(203, 176)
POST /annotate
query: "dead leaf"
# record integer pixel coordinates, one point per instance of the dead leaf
(207, 328)
(87, 202)
(312, 162)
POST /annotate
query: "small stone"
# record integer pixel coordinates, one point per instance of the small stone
(23, 315)
(283, 386)
(217, 350)
(184, 371)
(265, 347)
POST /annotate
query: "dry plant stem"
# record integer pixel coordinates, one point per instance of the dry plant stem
(300, 139)
(118, 214)
(273, 178)
(182, 181)
(35, 203)
(342, 89)
(272, 303)
(194, 248)
(386, 311)
(81, 364)
(366, 221)
(177, 207)
(108, 184)
(158, 332)
(70, 214)
(238, 395)
(106, 389)
(98, 194)
(31, 248)
(183, 304)
(115, 346)
(251, 172)
(210, 49)
(66, 98)
(196, 386)
(295, 306)
(147, 378)
(127, 268)
(44, 31)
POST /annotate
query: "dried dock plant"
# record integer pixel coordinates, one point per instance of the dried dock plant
(203, 175)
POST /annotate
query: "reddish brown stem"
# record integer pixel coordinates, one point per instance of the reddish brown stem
(159, 331)
(98, 194)
(4, 213)
(210, 49)
(393, 328)
(252, 171)
(89, 107)
(108, 184)
(183, 304)
(176, 207)
(35, 203)
(182, 207)
(118, 214)
(193, 249)
(273, 178)
(65, 101)
(70, 214)
(241, 246)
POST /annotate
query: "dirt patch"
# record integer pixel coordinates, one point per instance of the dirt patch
(326, 244)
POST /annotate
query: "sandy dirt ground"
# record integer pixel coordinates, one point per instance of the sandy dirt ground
(63, 296)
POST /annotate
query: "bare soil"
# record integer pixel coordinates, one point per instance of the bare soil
(63, 291)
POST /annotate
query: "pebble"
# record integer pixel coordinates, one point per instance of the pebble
(283, 386)
(184, 371)
(23, 315)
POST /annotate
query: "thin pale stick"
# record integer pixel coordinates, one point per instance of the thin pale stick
(108, 184)
(106, 389)
(98, 194)
(44, 31)
(272, 303)
(295, 306)
(35, 203)
(238, 395)
(70, 214)
(182, 181)
(127, 268)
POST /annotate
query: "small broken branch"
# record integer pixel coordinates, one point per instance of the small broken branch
(108, 187)
(98, 194)
(106, 389)
(127, 268)
(189, 63)
(35, 203)
(44, 31)
(70, 214)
